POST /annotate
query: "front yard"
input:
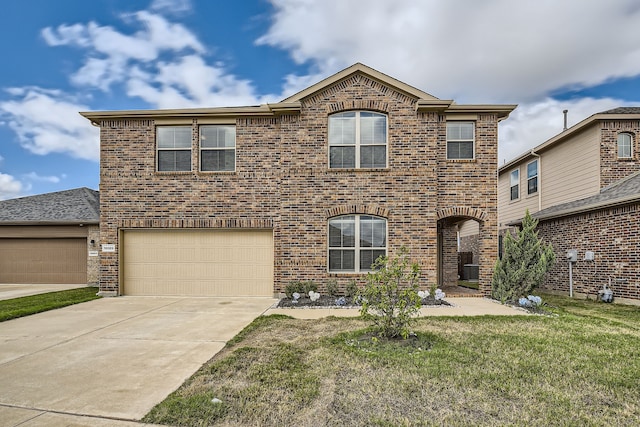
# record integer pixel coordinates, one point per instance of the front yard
(579, 366)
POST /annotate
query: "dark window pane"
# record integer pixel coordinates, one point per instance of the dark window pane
(367, 258)
(342, 157)
(533, 185)
(373, 156)
(335, 235)
(217, 160)
(341, 260)
(460, 150)
(174, 160)
(514, 192)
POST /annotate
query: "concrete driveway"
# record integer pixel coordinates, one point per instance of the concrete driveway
(110, 359)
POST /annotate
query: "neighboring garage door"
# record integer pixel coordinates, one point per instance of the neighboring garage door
(43, 261)
(198, 262)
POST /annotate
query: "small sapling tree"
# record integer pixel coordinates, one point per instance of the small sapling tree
(390, 297)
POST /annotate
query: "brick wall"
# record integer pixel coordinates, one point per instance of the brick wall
(93, 262)
(613, 169)
(613, 235)
(282, 179)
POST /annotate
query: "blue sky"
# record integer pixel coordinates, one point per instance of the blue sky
(66, 56)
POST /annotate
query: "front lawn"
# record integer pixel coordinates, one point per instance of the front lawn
(24, 306)
(579, 366)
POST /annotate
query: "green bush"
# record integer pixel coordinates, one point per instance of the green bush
(293, 287)
(390, 297)
(307, 286)
(524, 263)
(352, 289)
(332, 287)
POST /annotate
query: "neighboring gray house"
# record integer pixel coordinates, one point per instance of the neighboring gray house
(50, 238)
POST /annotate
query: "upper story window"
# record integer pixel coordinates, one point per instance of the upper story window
(174, 148)
(515, 184)
(357, 139)
(460, 140)
(532, 177)
(355, 242)
(217, 148)
(625, 146)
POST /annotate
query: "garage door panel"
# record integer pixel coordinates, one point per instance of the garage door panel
(198, 262)
(43, 261)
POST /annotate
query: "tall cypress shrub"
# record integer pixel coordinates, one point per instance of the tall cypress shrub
(525, 261)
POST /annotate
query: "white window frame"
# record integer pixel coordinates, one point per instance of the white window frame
(454, 139)
(203, 149)
(511, 184)
(160, 149)
(356, 248)
(630, 142)
(529, 178)
(357, 142)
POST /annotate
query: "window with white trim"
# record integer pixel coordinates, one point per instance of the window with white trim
(355, 242)
(515, 184)
(460, 140)
(532, 177)
(173, 145)
(625, 146)
(357, 139)
(217, 148)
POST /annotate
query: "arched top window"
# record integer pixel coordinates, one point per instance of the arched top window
(355, 242)
(625, 146)
(357, 139)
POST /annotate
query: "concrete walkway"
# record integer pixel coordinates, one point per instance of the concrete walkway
(111, 360)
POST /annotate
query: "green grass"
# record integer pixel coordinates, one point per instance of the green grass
(24, 306)
(578, 366)
(467, 284)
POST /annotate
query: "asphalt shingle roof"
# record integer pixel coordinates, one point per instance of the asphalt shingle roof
(623, 110)
(623, 191)
(77, 205)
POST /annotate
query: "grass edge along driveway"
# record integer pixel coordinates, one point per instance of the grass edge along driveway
(32, 304)
(577, 366)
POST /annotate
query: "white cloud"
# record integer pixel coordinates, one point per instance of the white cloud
(33, 176)
(171, 6)
(532, 124)
(47, 122)
(471, 51)
(9, 187)
(190, 81)
(112, 53)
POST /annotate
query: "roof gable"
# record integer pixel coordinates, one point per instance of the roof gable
(80, 205)
(369, 72)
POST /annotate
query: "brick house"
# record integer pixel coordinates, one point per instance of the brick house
(244, 200)
(584, 188)
(50, 238)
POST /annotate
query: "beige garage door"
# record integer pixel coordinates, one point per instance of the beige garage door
(198, 262)
(43, 261)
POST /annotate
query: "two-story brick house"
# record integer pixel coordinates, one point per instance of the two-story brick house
(583, 186)
(243, 200)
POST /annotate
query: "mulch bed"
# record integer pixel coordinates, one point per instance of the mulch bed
(326, 301)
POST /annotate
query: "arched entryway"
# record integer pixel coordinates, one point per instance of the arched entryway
(450, 222)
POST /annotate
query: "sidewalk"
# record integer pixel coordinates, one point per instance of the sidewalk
(459, 307)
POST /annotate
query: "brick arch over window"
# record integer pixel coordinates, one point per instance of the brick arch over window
(358, 104)
(358, 209)
(459, 211)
